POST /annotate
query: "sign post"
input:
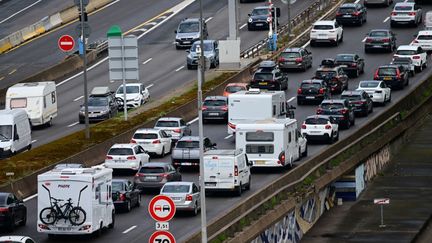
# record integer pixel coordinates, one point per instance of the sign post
(381, 202)
(162, 209)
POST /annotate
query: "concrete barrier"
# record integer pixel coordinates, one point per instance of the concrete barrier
(55, 20)
(5, 45)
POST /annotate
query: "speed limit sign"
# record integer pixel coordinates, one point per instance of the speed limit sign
(162, 237)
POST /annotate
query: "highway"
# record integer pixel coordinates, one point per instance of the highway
(137, 225)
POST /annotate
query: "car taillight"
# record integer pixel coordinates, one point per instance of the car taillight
(164, 175)
(393, 13)
(412, 13)
(356, 13)
(157, 141)
(131, 158)
(4, 210)
(376, 77)
(224, 108)
(299, 91)
(353, 64)
(188, 197)
(328, 126)
(299, 59)
(303, 126)
(385, 40)
(321, 91)
(281, 59)
(235, 170)
(368, 40)
(122, 197)
(139, 174)
(343, 111)
(319, 110)
(232, 126)
(177, 130)
(338, 14)
(204, 108)
(109, 157)
(132, 141)
(415, 41)
(282, 158)
(416, 57)
(398, 74)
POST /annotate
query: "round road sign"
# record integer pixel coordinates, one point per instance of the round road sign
(162, 208)
(66, 43)
(162, 237)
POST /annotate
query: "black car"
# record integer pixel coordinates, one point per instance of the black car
(258, 18)
(339, 109)
(351, 13)
(394, 76)
(268, 76)
(351, 64)
(124, 195)
(12, 211)
(334, 75)
(102, 105)
(406, 62)
(360, 101)
(215, 108)
(313, 90)
(380, 39)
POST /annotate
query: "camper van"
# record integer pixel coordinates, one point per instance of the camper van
(75, 201)
(226, 170)
(15, 132)
(270, 143)
(254, 104)
(39, 99)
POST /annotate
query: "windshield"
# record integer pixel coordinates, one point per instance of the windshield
(403, 8)
(234, 89)
(424, 37)
(260, 11)
(378, 34)
(351, 97)
(310, 86)
(406, 52)
(5, 132)
(332, 106)
(189, 27)
(167, 124)
(290, 54)
(152, 170)
(316, 121)
(323, 27)
(344, 58)
(117, 186)
(98, 101)
(207, 46)
(145, 136)
(369, 84)
(187, 144)
(387, 71)
(176, 188)
(120, 151)
(263, 76)
(214, 103)
(129, 90)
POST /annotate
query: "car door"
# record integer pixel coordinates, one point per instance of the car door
(422, 53)
(385, 89)
(144, 157)
(196, 194)
(339, 29)
(164, 140)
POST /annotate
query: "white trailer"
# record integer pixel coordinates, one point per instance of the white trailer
(75, 201)
(39, 99)
(15, 132)
(428, 20)
(270, 143)
(252, 105)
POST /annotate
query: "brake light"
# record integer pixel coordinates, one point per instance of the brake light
(386, 39)
(232, 126)
(131, 158)
(236, 173)
(188, 197)
(157, 141)
(177, 130)
(4, 210)
(132, 141)
(356, 13)
(319, 110)
(281, 59)
(415, 41)
(321, 91)
(122, 197)
(282, 158)
(303, 126)
(109, 157)
(224, 108)
(139, 174)
(412, 13)
(299, 91)
(344, 111)
(393, 13)
(328, 126)
(164, 175)
(376, 77)
(368, 40)
(338, 14)
(398, 76)
(204, 108)
(416, 57)
(353, 64)
(299, 59)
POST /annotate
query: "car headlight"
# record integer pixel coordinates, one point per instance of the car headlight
(250, 20)
(137, 98)
(81, 112)
(7, 148)
(105, 111)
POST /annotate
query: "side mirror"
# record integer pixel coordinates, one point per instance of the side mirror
(175, 31)
(214, 144)
(188, 51)
(248, 163)
(249, 15)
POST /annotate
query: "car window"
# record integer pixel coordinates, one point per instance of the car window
(188, 27)
(322, 27)
(163, 134)
(214, 102)
(331, 106)
(152, 170)
(29, 241)
(117, 186)
(207, 142)
(351, 97)
(406, 52)
(290, 54)
(145, 136)
(403, 8)
(323, 74)
(176, 189)
(182, 123)
(347, 10)
(260, 11)
(424, 37)
(98, 101)
(141, 150)
(233, 89)
(194, 188)
(167, 124)
(120, 151)
(343, 57)
(314, 86)
(187, 144)
(316, 121)
(378, 34)
(207, 46)
(387, 71)
(263, 76)
(371, 84)
(10, 199)
(129, 89)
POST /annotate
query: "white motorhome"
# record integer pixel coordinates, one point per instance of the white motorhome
(226, 170)
(15, 132)
(39, 99)
(75, 201)
(252, 105)
(270, 143)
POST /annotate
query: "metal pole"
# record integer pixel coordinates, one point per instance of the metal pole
(201, 70)
(289, 17)
(124, 78)
(84, 56)
(382, 217)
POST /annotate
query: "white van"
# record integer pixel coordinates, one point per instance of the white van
(15, 132)
(75, 201)
(270, 143)
(39, 99)
(252, 105)
(226, 170)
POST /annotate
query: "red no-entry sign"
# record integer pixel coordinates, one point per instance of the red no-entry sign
(66, 43)
(162, 208)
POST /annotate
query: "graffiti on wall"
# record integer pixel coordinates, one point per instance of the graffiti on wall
(376, 162)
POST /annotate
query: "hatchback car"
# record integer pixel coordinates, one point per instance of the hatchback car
(258, 18)
(155, 175)
(124, 195)
(406, 13)
(186, 195)
(154, 141)
(352, 64)
(380, 39)
(136, 95)
(394, 76)
(211, 53)
(423, 39)
(215, 108)
(102, 105)
(12, 211)
(340, 109)
(188, 32)
(295, 58)
(320, 127)
(334, 75)
(377, 2)
(360, 101)
(174, 126)
(326, 31)
(269, 76)
(186, 151)
(313, 90)
(377, 90)
(351, 13)
(16, 239)
(416, 53)
(234, 88)
(126, 156)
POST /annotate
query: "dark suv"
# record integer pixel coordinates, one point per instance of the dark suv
(381, 39)
(393, 75)
(102, 105)
(295, 58)
(360, 101)
(351, 64)
(258, 18)
(351, 13)
(333, 74)
(340, 110)
(268, 76)
(312, 90)
(215, 108)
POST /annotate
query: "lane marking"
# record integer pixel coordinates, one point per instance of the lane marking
(73, 124)
(22, 10)
(30, 197)
(11, 72)
(306, 44)
(207, 20)
(163, 17)
(180, 68)
(229, 136)
(78, 98)
(1, 78)
(291, 99)
(357, 1)
(147, 61)
(80, 73)
(385, 20)
(152, 23)
(129, 230)
(149, 86)
(193, 120)
(364, 39)
(34, 141)
(244, 25)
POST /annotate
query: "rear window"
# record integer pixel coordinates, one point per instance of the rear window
(259, 149)
(406, 52)
(233, 89)
(310, 86)
(145, 136)
(424, 37)
(3, 200)
(332, 106)
(347, 10)
(152, 170)
(176, 188)
(369, 84)
(215, 102)
(403, 8)
(402, 61)
(323, 74)
(351, 97)
(117, 186)
(187, 144)
(263, 76)
(290, 54)
(167, 124)
(387, 71)
(260, 136)
(378, 34)
(344, 58)
(120, 151)
(316, 121)
(322, 27)
(18, 103)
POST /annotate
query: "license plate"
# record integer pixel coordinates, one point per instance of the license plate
(310, 97)
(118, 161)
(144, 143)
(260, 162)
(314, 131)
(387, 78)
(64, 228)
(186, 42)
(263, 83)
(210, 183)
(290, 62)
(377, 46)
(259, 24)
(151, 177)
(347, 16)
(322, 35)
(176, 198)
(213, 114)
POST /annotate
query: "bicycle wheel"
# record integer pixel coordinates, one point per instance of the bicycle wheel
(48, 215)
(77, 216)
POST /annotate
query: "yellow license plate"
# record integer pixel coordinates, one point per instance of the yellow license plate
(387, 78)
(260, 162)
(263, 83)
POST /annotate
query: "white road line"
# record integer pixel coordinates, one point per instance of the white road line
(73, 124)
(193, 120)
(306, 44)
(243, 25)
(229, 136)
(78, 74)
(180, 68)
(207, 20)
(30, 198)
(152, 23)
(24, 9)
(291, 99)
(129, 230)
(364, 39)
(385, 20)
(147, 61)
(34, 141)
(78, 98)
(149, 86)
(357, 1)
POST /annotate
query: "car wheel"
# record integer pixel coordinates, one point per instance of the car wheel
(341, 39)
(189, 67)
(353, 121)
(195, 210)
(299, 102)
(357, 74)
(110, 226)
(371, 109)
(337, 136)
(330, 138)
(305, 153)
(366, 50)
(312, 43)
(128, 206)
(238, 192)
(348, 124)
(163, 152)
(248, 186)
(11, 226)
(389, 100)
(138, 203)
(23, 221)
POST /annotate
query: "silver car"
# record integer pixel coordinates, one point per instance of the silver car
(186, 151)
(368, 3)
(211, 53)
(174, 126)
(186, 195)
(406, 13)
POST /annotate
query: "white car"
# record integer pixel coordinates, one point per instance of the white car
(175, 126)
(186, 195)
(136, 95)
(424, 40)
(377, 90)
(126, 156)
(406, 13)
(154, 141)
(320, 127)
(326, 31)
(416, 53)
(16, 239)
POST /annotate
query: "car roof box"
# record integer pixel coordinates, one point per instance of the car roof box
(270, 65)
(100, 91)
(328, 62)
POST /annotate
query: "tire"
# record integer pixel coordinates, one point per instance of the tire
(163, 152)
(312, 43)
(195, 210)
(248, 186)
(353, 122)
(392, 24)
(128, 206)
(48, 215)
(341, 39)
(23, 221)
(299, 102)
(357, 73)
(11, 226)
(330, 139)
(366, 50)
(305, 153)
(337, 136)
(110, 226)
(189, 67)
(99, 232)
(348, 125)
(238, 192)
(77, 216)
(389, 100)
(49, 123)
(138, 203)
